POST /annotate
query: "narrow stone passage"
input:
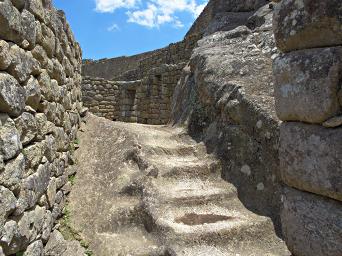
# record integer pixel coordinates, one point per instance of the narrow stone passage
(152, 190)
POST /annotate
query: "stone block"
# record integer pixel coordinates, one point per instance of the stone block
(310, 158)
(7, 205)
(32, 188)
(34, 249)
(33, 94)
(311, 224)
(10, 144)
(39, 54)
(44, 126)
(300, 24)
(48, 40)
(13, 173)
(36, 8)
(26, 125)
(23, 64)
(10, 22)
(28, 26)
(12, 95)
(34, 154)
(307, 84)
(56, 244)
(23, 231)
(5, 57)
(51, 191)
(45, 85)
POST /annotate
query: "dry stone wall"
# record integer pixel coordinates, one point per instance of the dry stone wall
(101, 97)
(40, 102)
(308, 79)
(145, 101)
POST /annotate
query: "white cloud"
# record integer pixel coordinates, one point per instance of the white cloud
(113, 27)
(112, 5)
(159, 12)
(153, 13)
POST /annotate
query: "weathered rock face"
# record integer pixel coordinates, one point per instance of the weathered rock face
(318, 171)
(225, 98)
(311, 223)
(307, 24)
(40, 102)
(299, 77)
(308, 89)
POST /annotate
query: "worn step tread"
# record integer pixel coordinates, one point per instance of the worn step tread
(185, 166)
(128, 241)
(180, 191)
(204, 223)
(278, 249)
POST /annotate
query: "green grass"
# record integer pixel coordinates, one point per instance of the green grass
(70, 233)
(72, 179)
(77, 141)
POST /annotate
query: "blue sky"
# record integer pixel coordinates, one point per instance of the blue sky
(110, 28)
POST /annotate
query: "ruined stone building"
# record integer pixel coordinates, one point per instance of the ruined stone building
(226, 143)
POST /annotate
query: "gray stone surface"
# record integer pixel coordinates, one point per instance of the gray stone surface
(23, 64)
(28, 27)
(310, 158)
(36, 46)
(13, 173)
(56, 245)
(225, 98)
(10, 22)
(19, 4)
(311, 224)
(307, 83)
(26, 125)
(34, 154)
(5, 57)
(7, 206)
(23, 231)
(307, 24)
(10, 144)
(33, 93)
(12, 95)
(33, 187)
(34, 249)
(333, 122)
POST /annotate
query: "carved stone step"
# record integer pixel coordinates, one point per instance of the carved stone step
(207, 224)
(188, 191)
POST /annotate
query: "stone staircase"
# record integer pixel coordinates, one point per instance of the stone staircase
(177, 204)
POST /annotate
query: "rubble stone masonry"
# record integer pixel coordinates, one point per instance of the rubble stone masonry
(145, 101)
(40, 102)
